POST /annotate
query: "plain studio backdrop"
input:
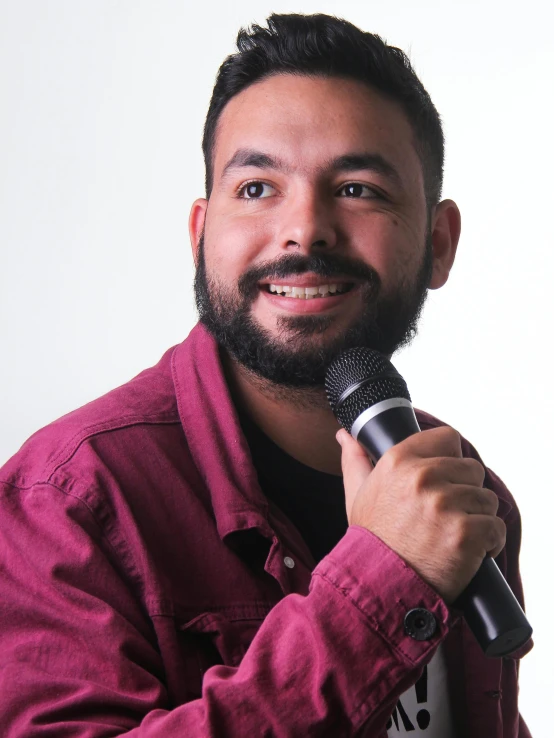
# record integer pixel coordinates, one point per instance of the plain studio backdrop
(102, 107)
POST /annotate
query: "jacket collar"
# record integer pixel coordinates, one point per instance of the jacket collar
(214, 436)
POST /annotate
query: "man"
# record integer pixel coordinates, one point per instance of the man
(177, 557)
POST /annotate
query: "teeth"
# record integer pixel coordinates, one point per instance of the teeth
(306, 293)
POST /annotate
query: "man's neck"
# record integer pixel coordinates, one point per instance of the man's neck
(299, 421)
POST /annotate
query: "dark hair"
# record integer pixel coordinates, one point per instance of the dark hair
(321, 45)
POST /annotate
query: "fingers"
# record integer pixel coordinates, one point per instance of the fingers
(356, 467)
(495, 551)
(485, 531)
(497, 536)
(436, 442)
(468, 499)
(456, 471)
(427, 503)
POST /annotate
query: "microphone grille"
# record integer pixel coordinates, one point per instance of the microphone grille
(359, 378)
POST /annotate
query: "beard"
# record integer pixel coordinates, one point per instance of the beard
(299, 355)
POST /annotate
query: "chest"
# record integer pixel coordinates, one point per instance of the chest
(209, 595)
(206, 627)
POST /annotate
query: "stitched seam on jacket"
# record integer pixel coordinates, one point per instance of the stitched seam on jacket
(125, 421)
(370, 619)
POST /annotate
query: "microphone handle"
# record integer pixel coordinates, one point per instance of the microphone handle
(489, 606)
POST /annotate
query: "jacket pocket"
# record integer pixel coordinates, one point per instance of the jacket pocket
(220, 637)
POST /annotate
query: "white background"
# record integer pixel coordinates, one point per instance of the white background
(102, 107)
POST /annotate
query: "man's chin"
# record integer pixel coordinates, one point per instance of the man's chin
(293, 356)
(306, 330)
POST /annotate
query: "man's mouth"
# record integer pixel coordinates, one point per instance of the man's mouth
(309, 293)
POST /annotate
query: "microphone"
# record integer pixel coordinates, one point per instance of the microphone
(371, 401)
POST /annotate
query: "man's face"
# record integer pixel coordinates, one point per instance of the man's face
(316, 234)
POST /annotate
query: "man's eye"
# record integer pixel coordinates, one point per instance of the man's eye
(256, 191)
(355, 189)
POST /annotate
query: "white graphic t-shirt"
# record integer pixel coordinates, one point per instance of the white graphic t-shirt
(424, 710)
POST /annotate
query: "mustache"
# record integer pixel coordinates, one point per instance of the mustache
(324, 265)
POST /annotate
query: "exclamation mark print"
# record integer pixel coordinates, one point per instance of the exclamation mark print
(406, 722)
(394, 717)
(423, 717)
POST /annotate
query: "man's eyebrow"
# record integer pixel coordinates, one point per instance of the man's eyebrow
(252, 158)
(366, 161)
(353, 162)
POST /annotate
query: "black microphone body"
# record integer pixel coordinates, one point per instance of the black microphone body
(371, 400)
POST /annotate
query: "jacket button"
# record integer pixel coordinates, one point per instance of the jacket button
(420, 624)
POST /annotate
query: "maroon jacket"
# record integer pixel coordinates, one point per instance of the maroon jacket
(148, 588)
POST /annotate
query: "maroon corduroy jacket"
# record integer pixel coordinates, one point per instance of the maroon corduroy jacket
(148, 588)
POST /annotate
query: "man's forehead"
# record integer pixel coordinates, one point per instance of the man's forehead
(289, 117)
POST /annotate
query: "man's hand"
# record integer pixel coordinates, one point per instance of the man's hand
(427, 503)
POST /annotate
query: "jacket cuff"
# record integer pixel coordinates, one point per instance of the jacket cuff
(384, 588)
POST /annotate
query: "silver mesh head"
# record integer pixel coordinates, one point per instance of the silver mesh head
(358, 379)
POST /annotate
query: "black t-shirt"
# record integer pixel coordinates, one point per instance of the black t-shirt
(311, 499)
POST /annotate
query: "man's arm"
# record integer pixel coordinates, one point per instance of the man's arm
(79, 655)
(435, 504)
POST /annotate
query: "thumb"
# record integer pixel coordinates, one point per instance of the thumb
(356, 467)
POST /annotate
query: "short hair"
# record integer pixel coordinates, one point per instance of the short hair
(324, 46)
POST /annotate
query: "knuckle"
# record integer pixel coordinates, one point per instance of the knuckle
(497, 534)
(442, 465)
(450, 441)
(437, 503)
(450, 433)
(458, 534)
(422, 475)
(393, 455)
(502, 530)
(476, 469)
(393, 459)
(490, 499)
(387, 464)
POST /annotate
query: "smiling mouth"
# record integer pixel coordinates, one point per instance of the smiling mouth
(309, 293)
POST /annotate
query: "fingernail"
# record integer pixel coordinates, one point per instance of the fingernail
(339, 436)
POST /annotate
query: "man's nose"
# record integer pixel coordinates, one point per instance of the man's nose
(307, 223)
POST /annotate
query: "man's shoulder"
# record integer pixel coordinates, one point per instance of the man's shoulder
(147, 400)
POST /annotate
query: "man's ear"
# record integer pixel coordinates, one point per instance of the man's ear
(197, 218)
(445, 234)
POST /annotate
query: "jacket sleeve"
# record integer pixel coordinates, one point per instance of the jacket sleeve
(523, 731)
(508, 562)
(79, 658)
